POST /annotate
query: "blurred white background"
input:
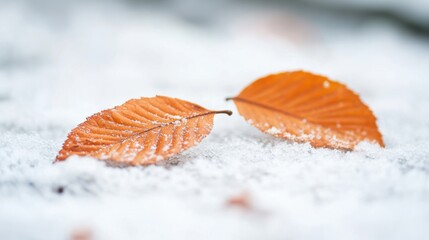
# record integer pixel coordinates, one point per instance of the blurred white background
(61, 61)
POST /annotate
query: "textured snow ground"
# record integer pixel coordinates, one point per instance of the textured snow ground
(60, 66)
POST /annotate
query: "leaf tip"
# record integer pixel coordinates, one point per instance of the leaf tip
(58, 159)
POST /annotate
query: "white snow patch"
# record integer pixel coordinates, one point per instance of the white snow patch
(56, 69)
(274, 131)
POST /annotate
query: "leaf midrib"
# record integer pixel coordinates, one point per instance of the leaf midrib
(164, 125)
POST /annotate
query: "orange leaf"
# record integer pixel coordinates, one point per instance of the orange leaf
(305, 107)
(140, 131)
(241, 201)
(82, 234)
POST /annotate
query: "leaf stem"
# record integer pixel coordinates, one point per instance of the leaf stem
(223, 111)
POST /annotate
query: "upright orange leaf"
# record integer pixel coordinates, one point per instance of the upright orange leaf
(305, 107)
(140, 131)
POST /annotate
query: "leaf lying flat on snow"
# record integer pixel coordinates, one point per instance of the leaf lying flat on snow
(240, 201)
(141, 131)
(305, 107)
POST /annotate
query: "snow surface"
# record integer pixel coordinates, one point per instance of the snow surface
(59, 66)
